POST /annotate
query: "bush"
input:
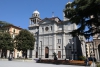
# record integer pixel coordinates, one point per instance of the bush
(98, 64)
(82, 58)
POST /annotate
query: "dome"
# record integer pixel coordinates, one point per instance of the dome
(36, 12)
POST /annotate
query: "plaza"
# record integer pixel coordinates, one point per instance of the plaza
(31, 63)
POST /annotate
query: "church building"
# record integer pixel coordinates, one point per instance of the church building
(52, 36)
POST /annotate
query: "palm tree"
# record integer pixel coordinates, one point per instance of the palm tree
(55, 56)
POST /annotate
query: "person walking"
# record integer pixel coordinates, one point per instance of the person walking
(87, 61)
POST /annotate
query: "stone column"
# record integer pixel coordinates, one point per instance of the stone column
(28, 53)
(31, 21)
(0, 53)
(8, 53)
(43, 48)
(15, 52)
(54, 43)
(33, 54)
(97, 55)
(36, 21)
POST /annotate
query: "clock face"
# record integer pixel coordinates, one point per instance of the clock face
(46, 28)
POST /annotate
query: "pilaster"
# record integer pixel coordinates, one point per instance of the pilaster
(98, 59)
(54, 42)
(28, 52)
(63, 44)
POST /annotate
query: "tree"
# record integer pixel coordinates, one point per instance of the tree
(55, 56)
(84, 13)
(24, 41)
(6, 43)
(3, 36)
(3, 25)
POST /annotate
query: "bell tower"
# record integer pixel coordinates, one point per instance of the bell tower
(34, 29)
(34, 20)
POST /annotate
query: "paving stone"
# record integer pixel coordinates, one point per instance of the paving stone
(21, 63)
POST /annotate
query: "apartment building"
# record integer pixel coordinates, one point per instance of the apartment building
(14, 30)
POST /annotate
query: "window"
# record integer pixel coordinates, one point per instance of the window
(13, 36)
(59, 46)
(34, 21)
(75, 52)
(51, 27)
(91, 51)
(14, 30)
(42, 29)
(69, 46)
(36, 15)
(59, 41)
(46, 28)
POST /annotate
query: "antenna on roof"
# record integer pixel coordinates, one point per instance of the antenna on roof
(52, 14)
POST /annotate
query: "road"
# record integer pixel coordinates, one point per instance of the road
(6, 63)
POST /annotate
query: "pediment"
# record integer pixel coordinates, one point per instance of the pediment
(46, 21)
(50, 20)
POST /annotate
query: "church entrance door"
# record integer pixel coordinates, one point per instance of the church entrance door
(36, 54)
(46, 52)
(59, 54)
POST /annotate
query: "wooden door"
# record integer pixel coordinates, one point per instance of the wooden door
(46, 52)
(59, 54)
(36, 54)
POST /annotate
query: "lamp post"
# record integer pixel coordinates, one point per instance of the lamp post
(65, 52)
(41, 49)
(39, 52)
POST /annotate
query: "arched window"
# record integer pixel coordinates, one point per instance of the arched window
(34, 20)
(46, 52)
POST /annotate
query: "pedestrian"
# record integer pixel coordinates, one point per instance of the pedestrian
(87, 61)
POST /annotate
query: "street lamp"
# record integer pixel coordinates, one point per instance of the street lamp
(39, 52)
(65, 52)
(41, 49)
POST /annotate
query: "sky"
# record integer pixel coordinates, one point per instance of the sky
(18, 12)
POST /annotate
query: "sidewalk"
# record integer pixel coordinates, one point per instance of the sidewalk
(18, 60)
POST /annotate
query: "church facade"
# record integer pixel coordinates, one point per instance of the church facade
(52, 36)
